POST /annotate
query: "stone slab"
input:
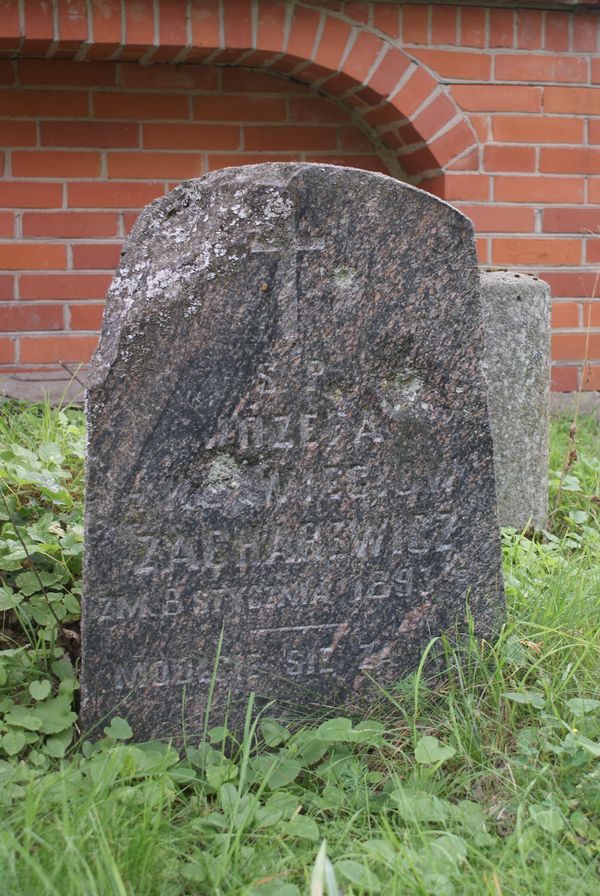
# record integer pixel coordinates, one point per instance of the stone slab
(57, 388)
(288, 445)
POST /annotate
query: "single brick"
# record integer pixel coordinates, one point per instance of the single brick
(7, 225)
(191, 136)
(7, 350)
(70, 224)
(113, 194)
(27, 194)
(96, 256)
(31, 103)
(63, 286)
(7, 287)
(473, 26)
(357, 11)
(592, 248)
(18, 256)
(39, 26)
(65, 72)
(444, 25)
(572, 100)
(51, 349)
(570, 220)
(388, 73)
(572, 346)
(564, 379)
(518, 251)
(239, 108)
(594, 190)
(303, 32)
(413, 92)
(386, 17)
(502, 27)
(52, 163)
(155, 165)
(509, 158)
(17, 316)
(499, 218)
(18, 133)
(368, 162)
(585, 32)
(537, 67)
(145, 106)
(86, 317)
(474, 187)
(565, 314)
(236, 80)
(591, 378)
(594, 130)
(457, 64)
(237, 20)
(317, 109)
(563, 160)
(591, 314)
(538, 189)
(229, 160)
(10, 34)
(168, 77)
(435, 116)
(72, 21)
(139, 25)
(362, 56)
(271, 25)
(290, 137)
(556, 36)
(7, 72)
(570, 284)
(92, 134)
(415, 27)
(107, 24)
(172, 30)
(497, 98)
(452, 143)
(206, 24)
(542, 129)
(353, 139)
(529, 29)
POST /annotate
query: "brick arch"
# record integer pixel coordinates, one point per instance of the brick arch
(410, 116)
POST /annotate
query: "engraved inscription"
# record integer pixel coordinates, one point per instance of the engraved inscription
(288, 245)
(287, 449)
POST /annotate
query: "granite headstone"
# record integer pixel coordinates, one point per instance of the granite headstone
(289, 446)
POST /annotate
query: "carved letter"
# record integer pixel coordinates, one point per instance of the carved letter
(367, 431)
(306, 425)
(282, 424)
(250, 433)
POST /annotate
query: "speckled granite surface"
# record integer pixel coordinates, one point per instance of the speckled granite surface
(516, 316)
(288, 442)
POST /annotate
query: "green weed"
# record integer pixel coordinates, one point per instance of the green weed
(486, 782)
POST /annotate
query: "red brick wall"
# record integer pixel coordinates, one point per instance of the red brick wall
(99, 141)
(528, 81)
(496, 109)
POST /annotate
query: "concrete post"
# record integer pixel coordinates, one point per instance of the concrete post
(516, 315)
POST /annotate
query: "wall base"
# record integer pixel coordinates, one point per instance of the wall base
(563, 403)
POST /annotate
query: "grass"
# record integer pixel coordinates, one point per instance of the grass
(487, 782)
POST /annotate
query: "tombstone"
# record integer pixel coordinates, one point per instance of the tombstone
(516, 319)
(289, 450)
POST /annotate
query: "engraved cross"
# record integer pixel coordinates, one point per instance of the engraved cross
(289, 247)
